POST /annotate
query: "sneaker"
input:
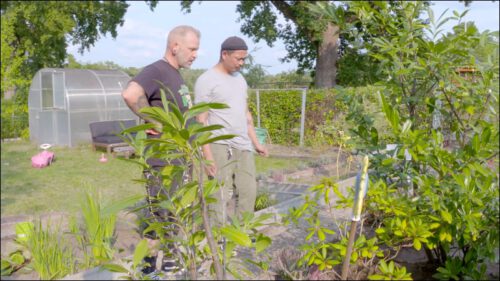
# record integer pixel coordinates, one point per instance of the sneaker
(150, 267)
(171, 267)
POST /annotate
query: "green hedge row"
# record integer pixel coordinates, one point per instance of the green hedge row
(280, 113)
(15, 121)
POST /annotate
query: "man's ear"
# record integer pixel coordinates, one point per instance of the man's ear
(175, 48)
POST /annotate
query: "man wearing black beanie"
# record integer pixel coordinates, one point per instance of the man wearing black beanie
(232, 160)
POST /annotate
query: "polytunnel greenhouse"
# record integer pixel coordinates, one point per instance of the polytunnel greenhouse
(63, 102)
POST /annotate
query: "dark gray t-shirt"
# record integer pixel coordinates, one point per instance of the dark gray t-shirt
(155, 77)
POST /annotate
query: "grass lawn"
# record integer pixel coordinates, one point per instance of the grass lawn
(60, 187)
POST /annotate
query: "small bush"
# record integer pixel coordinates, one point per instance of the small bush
(15, 121)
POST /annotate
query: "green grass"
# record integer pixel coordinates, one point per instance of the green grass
(62, 185)
(264, 165)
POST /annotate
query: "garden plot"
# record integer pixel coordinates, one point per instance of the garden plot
(284, 193)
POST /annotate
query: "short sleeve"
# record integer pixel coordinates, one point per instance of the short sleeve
(202, 90)
(148, 78)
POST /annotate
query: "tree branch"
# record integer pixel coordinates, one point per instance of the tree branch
(286, 10)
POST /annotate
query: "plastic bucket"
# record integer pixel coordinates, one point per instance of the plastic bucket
(261, 135)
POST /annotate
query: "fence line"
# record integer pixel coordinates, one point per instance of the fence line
(302, 111)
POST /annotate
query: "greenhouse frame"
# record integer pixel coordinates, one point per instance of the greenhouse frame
(62, 102)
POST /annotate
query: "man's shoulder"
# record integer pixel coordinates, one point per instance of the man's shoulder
(208, 73)
(206, 76)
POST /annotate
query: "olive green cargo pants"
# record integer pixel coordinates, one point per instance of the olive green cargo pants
(236, 174)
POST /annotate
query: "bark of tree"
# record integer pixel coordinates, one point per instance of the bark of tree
(326, 61)
(327, 52)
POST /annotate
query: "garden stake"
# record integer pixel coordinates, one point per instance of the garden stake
(361, 188)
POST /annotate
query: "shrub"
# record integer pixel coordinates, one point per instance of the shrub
(14, 120)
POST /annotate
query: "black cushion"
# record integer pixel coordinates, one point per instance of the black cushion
(108, 139)
(108, 131)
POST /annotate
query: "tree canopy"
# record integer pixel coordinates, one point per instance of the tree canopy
(310, 40)
(35, 34)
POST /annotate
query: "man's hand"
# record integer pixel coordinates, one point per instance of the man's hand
(211, 169)
(155, 131)
(262, 150)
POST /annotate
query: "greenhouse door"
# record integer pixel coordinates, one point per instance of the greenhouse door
(52, 119)
(60, 116)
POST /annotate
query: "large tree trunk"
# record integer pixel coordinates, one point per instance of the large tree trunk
(326, 61)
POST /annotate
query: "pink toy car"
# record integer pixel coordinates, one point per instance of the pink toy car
(42, 159)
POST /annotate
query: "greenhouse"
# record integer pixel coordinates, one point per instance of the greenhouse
(63, 102)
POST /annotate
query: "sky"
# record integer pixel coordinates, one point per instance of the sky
(141, 40)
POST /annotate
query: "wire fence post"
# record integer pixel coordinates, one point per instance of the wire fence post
(302, 117)
(258, 107)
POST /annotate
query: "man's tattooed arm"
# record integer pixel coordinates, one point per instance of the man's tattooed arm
(135, 98)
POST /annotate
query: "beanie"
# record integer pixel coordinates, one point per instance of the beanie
(233, 43)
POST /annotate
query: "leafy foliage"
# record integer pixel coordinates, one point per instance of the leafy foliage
(437, 190)
(181, 140)
(36, 34)
(263, 201)
(49, 252)
(14, 119)
(326, 112)
(52, 255)
(390, 272)
(305, 34)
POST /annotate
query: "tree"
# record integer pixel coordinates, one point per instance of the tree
(253, 73)
(312, 41)
(35, 34)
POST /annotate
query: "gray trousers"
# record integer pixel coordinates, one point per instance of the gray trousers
(236, 174)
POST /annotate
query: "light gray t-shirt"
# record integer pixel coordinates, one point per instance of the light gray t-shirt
(231, 89)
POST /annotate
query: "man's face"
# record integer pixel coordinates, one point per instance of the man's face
(234, 60)
(187, 50)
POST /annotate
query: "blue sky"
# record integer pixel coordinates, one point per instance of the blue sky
(141, 40)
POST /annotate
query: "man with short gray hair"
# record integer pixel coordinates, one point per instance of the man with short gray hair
(144, 90)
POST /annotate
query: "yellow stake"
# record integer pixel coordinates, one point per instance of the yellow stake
(361, 186)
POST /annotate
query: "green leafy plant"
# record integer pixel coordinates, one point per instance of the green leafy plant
(100, 228)
(132, 268)
(280, 113)
(437, 191)
(96, 235)
(427, 194)
(14, 119)
(390, 272)
(181, 140)
(326, 247)
(263, 201)
(12, 263)
(50, 253)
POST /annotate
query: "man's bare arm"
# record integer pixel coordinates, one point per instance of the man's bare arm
(135, 98)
